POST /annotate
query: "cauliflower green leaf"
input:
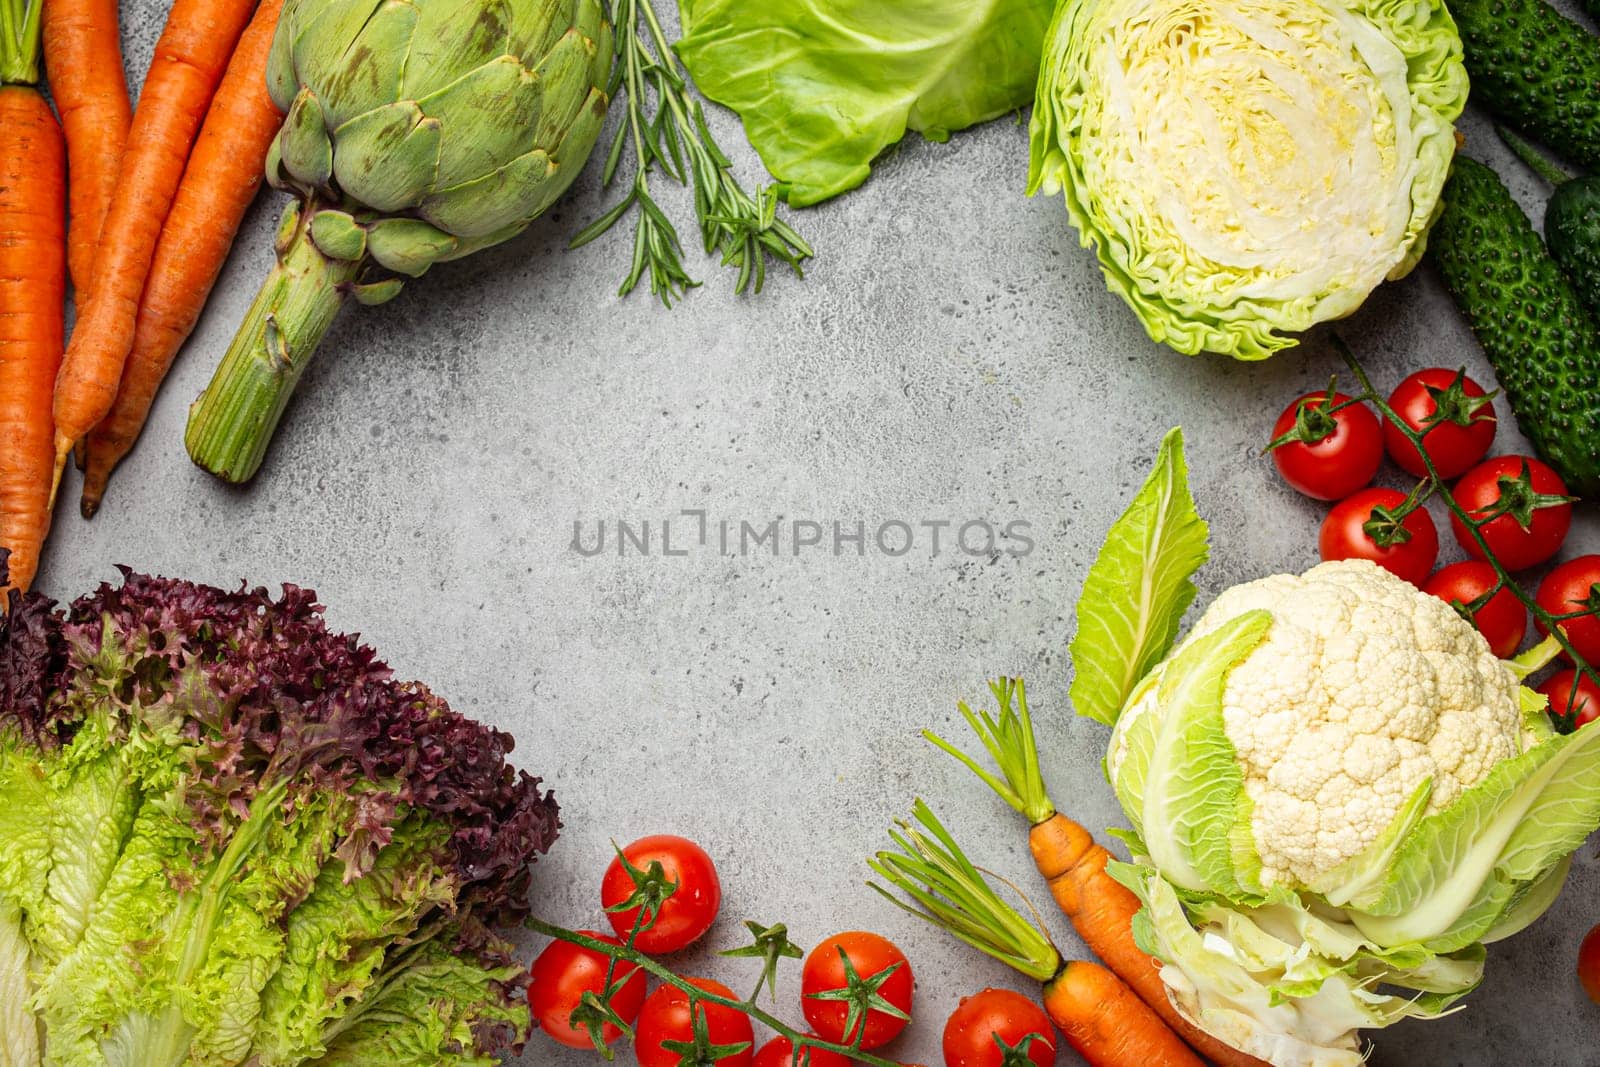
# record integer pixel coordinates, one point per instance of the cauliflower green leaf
(1282, 983)
(1508, 831)
(1138, 588)
(1200, 803)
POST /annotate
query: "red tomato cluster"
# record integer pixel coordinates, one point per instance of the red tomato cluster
(1329, 447)
(565, 973)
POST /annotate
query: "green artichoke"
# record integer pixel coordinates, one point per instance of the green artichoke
(417, 131)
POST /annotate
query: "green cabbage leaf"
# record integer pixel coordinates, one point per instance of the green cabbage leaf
(825, 86)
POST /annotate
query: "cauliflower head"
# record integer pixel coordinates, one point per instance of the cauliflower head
(1337, 795)
(1363, 691)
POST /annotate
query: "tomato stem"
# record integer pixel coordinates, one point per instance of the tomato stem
(628, 954)
(1474, 524)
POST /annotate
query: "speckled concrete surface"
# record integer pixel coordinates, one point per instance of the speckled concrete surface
(953, 355)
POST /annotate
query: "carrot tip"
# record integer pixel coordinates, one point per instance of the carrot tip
(62, 455)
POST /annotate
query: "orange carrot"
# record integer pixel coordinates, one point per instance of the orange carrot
(33, 289)
(225, 170)
(1074, 865)
(1101, 1017)
(83, 55)
(190, 58)
(1108, 1024)
(1102, 910)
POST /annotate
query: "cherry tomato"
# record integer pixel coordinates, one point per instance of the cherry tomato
(687, 914)
(970, 1032)
(779, 1052)
(665, 1017)
(563, 973)
(1502, 621)
(1575, 586)
(1526, 535)
(1572, 696)
(1350, 528)
(1589, 964)
(1463, 422)
(1335, 454)
(870, 956)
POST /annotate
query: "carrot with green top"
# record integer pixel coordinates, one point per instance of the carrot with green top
(225, 170)
(190, 58)
(83, 56)
(1073, 863)
(33, 288)
(1101, 1017)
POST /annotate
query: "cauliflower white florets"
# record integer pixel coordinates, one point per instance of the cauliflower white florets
(1364, 687)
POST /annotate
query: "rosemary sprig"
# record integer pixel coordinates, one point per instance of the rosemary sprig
(666, 129)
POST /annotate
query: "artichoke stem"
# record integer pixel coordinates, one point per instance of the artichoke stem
(232, 422)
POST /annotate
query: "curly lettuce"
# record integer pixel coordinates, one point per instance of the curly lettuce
(1245, 169)
(228, 835)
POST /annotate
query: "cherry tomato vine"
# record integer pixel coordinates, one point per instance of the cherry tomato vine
(769, 944)
(1518, 499)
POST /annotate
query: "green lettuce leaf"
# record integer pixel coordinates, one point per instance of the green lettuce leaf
(337, 942)
(429, 1009)
(19, 1030)
(94, 811)
(24, 836)
(824, 86)
(1138, 588)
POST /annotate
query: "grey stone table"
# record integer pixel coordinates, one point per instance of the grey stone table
(953, 355)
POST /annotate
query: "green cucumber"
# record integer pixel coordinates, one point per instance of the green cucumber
(1544, 344)
(1536, 69)
(1572, 230)
(1571, 220)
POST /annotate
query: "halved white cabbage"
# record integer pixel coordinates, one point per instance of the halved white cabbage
(1247, 168)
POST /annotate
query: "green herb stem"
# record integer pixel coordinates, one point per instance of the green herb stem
(666, 129)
